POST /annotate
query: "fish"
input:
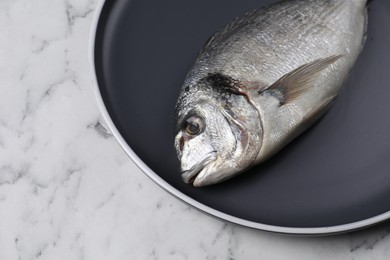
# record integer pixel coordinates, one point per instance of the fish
(261, 81)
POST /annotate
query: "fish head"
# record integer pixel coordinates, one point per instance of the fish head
(214, 139)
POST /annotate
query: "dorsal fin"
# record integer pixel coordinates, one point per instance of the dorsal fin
(298, 81)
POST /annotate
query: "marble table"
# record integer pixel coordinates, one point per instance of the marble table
(68, 191)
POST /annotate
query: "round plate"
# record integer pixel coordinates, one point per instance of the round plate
(333, 178)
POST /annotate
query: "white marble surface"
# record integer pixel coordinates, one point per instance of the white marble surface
(68, 191)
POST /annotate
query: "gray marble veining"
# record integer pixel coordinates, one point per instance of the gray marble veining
(68, 191)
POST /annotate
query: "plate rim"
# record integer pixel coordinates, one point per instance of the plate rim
(327, 230)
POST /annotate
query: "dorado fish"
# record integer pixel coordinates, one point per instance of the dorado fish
(261, 81)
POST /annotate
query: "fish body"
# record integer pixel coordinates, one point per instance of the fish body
(261, 81)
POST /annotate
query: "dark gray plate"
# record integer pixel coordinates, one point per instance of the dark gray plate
(333, 178)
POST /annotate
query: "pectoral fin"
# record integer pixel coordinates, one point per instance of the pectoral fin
(298, 81)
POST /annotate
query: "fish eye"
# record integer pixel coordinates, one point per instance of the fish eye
(194, 125)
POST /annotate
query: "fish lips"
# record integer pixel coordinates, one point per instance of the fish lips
(190, 175)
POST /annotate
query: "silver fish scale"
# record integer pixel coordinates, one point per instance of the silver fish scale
(274, 40)
(256, 51)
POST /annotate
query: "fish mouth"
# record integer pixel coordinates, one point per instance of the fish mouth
(190, 175)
